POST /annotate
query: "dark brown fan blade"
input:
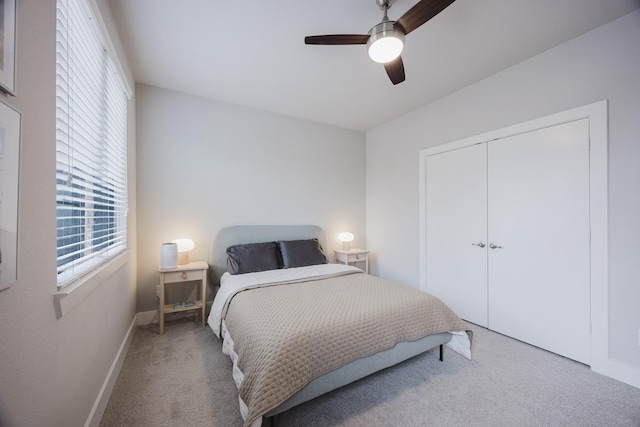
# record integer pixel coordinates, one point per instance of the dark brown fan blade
(395, 70)
(421, 13)
(337, 39)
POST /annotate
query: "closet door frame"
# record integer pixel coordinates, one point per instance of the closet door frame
(597, 115)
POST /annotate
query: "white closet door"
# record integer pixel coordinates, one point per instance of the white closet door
(539, 282)
(456, 217)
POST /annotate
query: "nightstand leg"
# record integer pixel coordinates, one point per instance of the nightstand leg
(161, 311)
(204, 294)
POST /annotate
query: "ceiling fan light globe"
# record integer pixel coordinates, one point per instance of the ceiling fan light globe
(385, 42)
(386, 49)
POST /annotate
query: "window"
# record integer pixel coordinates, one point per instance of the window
(91, 145)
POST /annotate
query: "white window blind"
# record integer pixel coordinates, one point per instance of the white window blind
(91, 146)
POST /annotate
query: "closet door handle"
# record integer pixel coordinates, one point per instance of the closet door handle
(480, 244)
(494, 246)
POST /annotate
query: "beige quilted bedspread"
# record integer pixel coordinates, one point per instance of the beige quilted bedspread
(289, 334)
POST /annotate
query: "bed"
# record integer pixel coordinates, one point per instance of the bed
(297, 327)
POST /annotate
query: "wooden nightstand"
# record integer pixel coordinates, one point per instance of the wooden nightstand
(352, 255)
(194, 271)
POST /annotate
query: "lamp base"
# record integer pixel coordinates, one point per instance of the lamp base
(183, 258)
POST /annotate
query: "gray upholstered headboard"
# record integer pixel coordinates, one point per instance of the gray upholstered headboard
(240, 234)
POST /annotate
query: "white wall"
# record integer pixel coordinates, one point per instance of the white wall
(602, 64)
(204, 165)
(51, 371)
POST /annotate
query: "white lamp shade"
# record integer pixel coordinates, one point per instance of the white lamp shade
(184, 245)
(346, 237)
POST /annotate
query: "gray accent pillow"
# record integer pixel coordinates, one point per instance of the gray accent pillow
(253, 257)
(300, 253)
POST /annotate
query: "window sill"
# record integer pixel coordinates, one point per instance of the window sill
(70, 296)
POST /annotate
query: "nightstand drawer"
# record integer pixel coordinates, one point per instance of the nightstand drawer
(351, 257)
(356, 258)
(183, 276)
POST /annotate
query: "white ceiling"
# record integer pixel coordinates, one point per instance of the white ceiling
(252, 52)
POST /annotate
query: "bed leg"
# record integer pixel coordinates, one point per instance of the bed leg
(441, 352)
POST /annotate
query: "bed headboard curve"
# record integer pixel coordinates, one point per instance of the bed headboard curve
(239, 234)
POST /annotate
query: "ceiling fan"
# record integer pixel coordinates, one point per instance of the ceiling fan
(385, 40)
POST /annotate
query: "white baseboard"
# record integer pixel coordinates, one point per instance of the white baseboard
(147, 317)
(620, 371)
(95, 416)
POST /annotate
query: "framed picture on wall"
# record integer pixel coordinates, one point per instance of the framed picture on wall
(9, 173)
(8, 46)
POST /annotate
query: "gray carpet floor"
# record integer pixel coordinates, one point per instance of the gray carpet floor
(182, 379)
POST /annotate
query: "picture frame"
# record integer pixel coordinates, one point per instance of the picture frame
(8, 46)
(10, 126)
